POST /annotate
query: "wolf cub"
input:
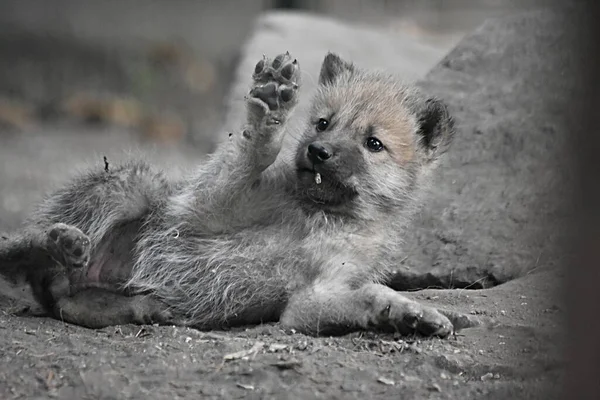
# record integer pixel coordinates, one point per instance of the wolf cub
(249, 237)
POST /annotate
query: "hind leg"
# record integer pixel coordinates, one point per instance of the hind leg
(47, 258)
(100, 200)
(36, 250)
(94, 203)
(98, 308)
(44, 259)
(80, 224)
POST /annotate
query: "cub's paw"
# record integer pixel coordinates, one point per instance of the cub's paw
(462, 321)
(434, 323)
(69, 245)
(411, 317)
(147, 310)
(274, 91)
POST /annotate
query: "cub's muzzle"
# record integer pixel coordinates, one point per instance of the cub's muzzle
(318, 153)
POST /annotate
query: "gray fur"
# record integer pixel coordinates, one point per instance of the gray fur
(249, 237)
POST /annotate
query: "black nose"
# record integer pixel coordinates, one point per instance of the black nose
(318, 153)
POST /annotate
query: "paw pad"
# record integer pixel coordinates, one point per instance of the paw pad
(287, 94)
(276, 82)
(54, 234)
(288, 71)
(71, 245)
(278, 61)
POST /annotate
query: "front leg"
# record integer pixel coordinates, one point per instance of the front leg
(272, 97)
(335, 308)
(220, 189)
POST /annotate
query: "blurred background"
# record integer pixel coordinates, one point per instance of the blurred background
(161, 68)
(81, 78)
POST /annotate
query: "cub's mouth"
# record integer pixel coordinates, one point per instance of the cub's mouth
(322, 186)
(311, 171)
(325, 181)
(318, 177)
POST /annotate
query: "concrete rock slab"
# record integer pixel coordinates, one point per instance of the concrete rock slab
(506, 84)
(498, 204)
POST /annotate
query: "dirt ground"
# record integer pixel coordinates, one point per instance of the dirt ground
(519, 357)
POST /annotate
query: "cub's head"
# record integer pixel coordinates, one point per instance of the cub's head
(369, 139)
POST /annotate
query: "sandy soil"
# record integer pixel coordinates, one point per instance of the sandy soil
(520, 357)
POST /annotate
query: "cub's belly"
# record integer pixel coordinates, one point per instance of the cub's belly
(111, 261)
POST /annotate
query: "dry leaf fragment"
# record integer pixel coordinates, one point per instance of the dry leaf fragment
(244, 353)
(275, 347)
(386, 381)
(247, 387)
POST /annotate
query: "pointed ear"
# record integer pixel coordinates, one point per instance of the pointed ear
(436, 127)
(332, 67)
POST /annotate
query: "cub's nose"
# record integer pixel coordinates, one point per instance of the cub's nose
(318, 153)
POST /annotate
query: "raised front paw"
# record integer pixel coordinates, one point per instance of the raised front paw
(274, 91)
(69, 245)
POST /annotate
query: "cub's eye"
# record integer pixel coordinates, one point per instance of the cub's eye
(322, 125)
(374, 144)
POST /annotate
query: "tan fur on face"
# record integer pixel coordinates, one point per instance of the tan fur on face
(373, 104)
(397, 134)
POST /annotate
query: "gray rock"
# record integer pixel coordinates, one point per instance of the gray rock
(496, 206)
(493, 212)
